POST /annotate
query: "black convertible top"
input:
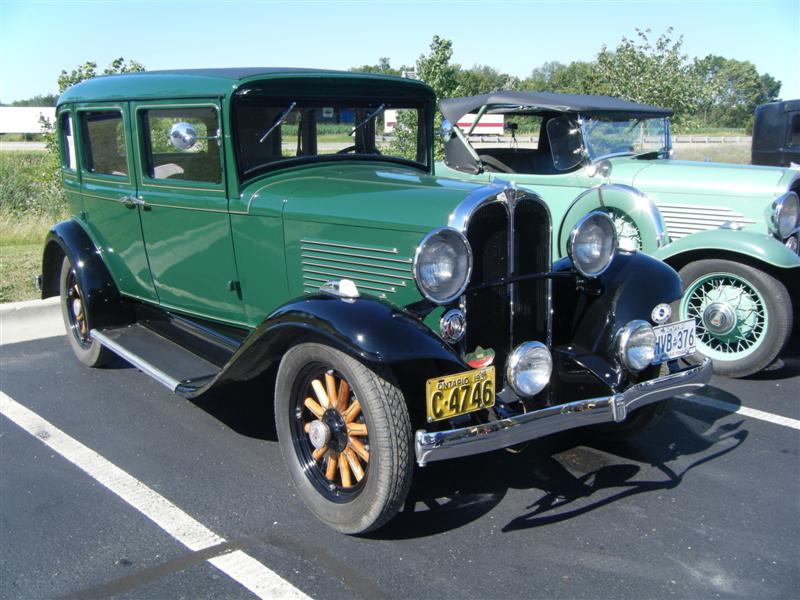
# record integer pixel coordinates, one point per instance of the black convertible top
(537, 102)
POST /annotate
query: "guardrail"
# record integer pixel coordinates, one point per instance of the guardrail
(676, 139)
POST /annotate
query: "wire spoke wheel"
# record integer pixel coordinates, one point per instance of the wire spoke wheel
(628, 235)
(730, 313)
(331, 436)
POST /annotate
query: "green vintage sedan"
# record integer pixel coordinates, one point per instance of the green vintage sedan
(250, 231)
(731, 231)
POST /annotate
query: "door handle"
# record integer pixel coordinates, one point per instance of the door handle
(133, 202)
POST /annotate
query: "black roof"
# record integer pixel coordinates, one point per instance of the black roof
(539, 102)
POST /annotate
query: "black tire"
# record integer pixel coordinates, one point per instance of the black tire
(750, 347)
(347, 506)
(77, 321)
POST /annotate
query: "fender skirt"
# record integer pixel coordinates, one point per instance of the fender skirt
(366, 328)
(105, 307)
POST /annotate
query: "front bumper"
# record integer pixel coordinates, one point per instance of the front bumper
(442, 445)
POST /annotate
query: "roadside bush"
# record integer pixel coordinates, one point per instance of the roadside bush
(30, 184)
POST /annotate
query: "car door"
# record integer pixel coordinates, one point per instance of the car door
(184, 208)
(108, 190)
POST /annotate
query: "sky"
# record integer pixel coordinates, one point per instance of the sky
(39, 38)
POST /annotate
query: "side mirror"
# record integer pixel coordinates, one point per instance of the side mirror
(183, 136)
(446, 132)
(601, 168)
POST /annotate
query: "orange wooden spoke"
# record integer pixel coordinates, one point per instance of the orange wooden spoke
(359, 448)
(307, 427)
(352, 412)
(330, 471)
(321, 395)
(344, 471)
(330, 388)
(344, 393)
(352, 460)
(319, 452)
(314, 407)
(357, 429)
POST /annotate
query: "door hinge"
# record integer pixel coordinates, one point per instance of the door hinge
(233, 286)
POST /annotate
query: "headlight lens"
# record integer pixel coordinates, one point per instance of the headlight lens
(592, 244)
(636, 345)
(529, 368)
(787, 210)
(442, 265)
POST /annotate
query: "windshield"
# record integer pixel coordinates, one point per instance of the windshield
(604, 138)
(271, 132)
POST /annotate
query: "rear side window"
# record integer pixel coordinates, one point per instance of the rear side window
(768, 129)
(163, 160)
(68, 160)
(104, 143)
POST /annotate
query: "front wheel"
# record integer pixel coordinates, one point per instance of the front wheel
(743, 315)
(345, 436)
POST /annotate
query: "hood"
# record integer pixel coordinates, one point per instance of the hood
(682, 177)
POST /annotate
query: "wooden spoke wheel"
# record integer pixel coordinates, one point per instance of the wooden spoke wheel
(331, 434)
(345, 435)
(77, 320)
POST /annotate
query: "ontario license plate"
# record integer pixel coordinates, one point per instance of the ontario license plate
(458, 394)
(674, 340)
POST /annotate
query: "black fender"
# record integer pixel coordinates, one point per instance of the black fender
(105, 306)
(590, 313)
(367, 328)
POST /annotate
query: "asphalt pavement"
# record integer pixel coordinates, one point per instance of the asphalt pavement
(705, 506)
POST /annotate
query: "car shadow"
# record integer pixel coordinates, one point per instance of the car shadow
(569, 474)
(785, 366)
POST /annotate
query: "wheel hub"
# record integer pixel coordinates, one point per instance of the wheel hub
(319, 434)
(337, 428)
(719, 318)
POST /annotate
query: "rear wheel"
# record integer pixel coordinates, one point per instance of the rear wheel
(743, 315)
(345, 436)
(76, 317)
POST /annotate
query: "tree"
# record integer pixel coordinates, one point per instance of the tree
(89, 69)
(383, 67)
(578, 77)
(481, 79)
(733, 89)
(652, 73)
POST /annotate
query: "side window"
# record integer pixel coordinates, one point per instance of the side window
(68, 159)
(104, 143)
(199, 161)
(794, 129)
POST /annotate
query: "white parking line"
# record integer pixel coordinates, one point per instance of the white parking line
(237, 565)
(743, 410)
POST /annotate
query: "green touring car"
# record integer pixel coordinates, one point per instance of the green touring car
(731, 231)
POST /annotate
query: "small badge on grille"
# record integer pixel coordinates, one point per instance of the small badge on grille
(452, 326)
(482, 357)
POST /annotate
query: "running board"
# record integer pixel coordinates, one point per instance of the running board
(165, 361)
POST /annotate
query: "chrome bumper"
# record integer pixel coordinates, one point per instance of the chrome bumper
(442, 445)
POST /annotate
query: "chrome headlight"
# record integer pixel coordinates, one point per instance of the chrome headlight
(636, 345)
(785, 215)
(529, 368)
(442, 265)
(592, 243)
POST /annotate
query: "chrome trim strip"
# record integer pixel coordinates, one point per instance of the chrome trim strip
(361, 264)
(465, 441)
(365, 287)
(351, 247)
(355, 278)
(137, 361)
(352, 270)
(405, 261)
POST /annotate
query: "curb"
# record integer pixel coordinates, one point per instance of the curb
(27, 308)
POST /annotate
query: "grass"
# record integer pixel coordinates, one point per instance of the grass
(725, 153)
(21, 240)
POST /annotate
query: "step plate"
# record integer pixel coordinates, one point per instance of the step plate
(163, 360)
